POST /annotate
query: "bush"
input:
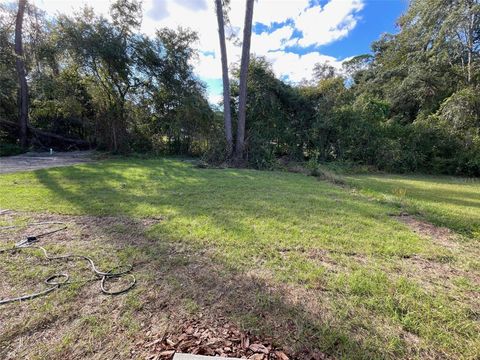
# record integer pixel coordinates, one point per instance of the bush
(7, 149)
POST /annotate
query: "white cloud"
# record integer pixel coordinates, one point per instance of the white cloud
(208, 66)
(70, 6)
(266, 42)
(298, 67)
(268, 11)
(319, 25)
(334, 21)
(214, 98)
(158, 11)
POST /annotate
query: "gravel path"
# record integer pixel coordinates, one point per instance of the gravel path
(33, 160)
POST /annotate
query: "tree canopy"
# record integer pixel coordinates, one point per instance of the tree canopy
(412, 104)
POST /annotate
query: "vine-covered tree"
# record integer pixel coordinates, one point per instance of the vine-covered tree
(242, 98)
(227, 114)
(22, 75)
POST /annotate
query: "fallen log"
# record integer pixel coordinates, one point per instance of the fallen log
(48, 134)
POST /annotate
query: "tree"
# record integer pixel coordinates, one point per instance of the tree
(462, 26)
(181, 114)
(227, 114)
(22, 76)
(242, 97)
(8, 72)
(106, 52)
(322, 71)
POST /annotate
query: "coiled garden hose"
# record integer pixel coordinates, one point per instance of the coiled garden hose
(57, 280)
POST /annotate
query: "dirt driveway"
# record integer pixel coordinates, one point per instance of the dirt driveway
(35, 160)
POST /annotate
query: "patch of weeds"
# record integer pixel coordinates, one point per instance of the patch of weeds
(324, 174)
(130, 323)
(66, 342)
(443, 258)
(472, 265)
(465, 283)
(133, 301)
(173, 281)
(96, 326)
(400, 192)
(191, 306)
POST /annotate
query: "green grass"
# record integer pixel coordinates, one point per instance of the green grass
(446, 201)
(312, 264)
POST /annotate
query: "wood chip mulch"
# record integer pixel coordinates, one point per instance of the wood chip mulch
(218, 340)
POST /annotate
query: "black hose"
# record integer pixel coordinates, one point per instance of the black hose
(53, 281)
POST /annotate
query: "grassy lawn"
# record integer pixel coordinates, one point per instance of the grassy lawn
(312, 266)
(446, 201)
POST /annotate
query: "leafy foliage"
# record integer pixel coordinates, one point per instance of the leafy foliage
(411, 106)
(103, 81)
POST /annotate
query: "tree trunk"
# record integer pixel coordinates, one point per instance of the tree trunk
(471, 24)
(242, 99)
(227, 114)
(22, 77)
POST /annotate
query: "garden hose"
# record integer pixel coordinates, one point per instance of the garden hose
(57, 280)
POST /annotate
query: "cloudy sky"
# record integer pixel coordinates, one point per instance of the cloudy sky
(293, 34)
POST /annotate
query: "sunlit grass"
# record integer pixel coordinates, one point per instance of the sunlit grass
(444, 200)
(342, 247)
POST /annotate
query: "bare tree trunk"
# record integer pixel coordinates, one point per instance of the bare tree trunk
(242, 99)
(22, 77)
(470, 44)
(227, 113)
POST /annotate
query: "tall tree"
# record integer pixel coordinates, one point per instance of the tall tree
(242, 99)
(227, 114)
(22, 77)
(106, 52)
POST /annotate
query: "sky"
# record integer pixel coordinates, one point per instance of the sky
(293, 35)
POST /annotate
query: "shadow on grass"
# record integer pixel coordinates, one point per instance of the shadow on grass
(219, 288)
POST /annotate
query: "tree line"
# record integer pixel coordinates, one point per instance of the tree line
(95, 82)
(412, 104)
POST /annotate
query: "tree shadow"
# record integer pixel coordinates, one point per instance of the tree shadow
(210, 279)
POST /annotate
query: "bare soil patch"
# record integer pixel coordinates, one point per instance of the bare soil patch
(43, 160)
(432, 273)
(440, 235)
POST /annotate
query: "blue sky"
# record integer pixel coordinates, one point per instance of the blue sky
(377, 17)
(374, 18)
(293, 35)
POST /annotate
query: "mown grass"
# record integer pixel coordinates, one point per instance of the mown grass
(343, 276)
(444, 200)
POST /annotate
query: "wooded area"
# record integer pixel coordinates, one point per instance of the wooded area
(411, 105)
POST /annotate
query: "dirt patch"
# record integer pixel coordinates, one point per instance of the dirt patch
(325, 257)
(35, 160)
(439, 272)
(440, 235)
(433, 274)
